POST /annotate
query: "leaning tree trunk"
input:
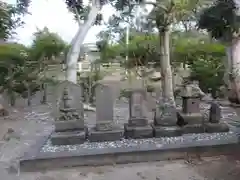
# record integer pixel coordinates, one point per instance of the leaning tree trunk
(44, 93)
(74, 51)
(29, 93)
(234, 67)
(166, 72)
(11, 93)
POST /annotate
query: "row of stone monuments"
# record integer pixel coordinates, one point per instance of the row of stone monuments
(70, 127)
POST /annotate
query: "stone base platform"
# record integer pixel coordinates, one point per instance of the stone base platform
(195, 118)
(69, 137)
(216, 127)
(138, 132)
(70, 125)
(170, 131)
(44, 155)
(193, 128)
(100, 136)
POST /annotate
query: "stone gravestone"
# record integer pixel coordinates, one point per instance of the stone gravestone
(214, 113)
(191, 116)
(105, 129)
(165, 121)
(69, 115)
(214, 124)
(137, 126)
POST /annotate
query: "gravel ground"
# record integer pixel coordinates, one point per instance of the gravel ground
(29, 123)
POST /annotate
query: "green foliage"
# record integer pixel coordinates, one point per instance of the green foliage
(141, 50)
(10, 17)
(221, 19)
(186, 50)
(205, 60)
(89, 81)
(46, 44)
(20, 66)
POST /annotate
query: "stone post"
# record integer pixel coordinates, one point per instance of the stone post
(214, 124)
(105, 129)
(137, 126)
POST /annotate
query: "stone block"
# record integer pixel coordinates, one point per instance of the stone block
(137, 122)
(104, 125)
(170, 131)
(216, 127)
(110, 135)
(70, 125)
(193, 128)
(193, 118)
(214, 113)
(165, 121)
(190, 104)
(138, 132)
(69, 137)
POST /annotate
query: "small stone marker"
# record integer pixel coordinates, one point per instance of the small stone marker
(69, 120)
(214, 113)
(105, 129)
(137, 126)
(214, 124)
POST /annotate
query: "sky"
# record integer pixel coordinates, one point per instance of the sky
(54, 15)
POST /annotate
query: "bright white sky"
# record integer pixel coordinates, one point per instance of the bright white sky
(54, 15)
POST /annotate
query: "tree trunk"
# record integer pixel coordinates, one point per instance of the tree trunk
(227, 66)
(10, 86)
(74, 51)
(28, 95)
(234, 76)
(44, 93)
(166, 72)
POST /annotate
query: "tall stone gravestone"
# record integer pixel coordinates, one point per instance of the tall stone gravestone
(105, 129)
(137, 126)
(69, 115)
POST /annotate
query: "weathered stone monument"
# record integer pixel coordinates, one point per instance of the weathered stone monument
(69, 116)
(165, 122)
(105, 129)
(191, 116)
(214, 124)
(138, 126)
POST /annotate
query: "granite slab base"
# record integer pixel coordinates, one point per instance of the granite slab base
(100, 136)
(44, 155)
(138, 132)
(164, 131)
(69, 137)
(137, 122)
(195, 118)
(216, 127)
(193, 128)
(70, 125)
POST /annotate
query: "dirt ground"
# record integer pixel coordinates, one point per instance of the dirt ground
(27, 123)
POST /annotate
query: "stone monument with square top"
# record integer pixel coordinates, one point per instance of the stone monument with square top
(69, 116)
(138, 126)
(105, 129)
(191, 116)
